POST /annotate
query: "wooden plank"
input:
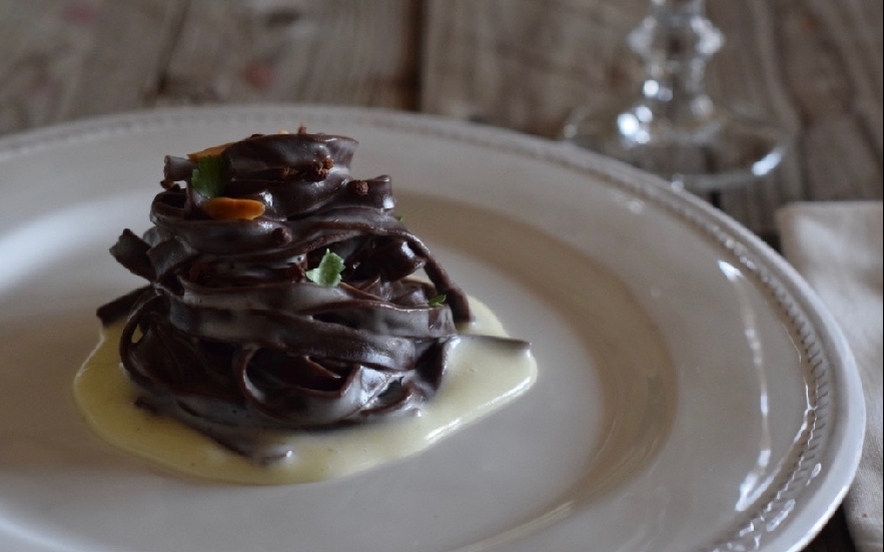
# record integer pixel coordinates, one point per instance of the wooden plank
(820, 64)
(833, 76)
(343, 52)
(527, 67)
(745, 77)
(30, 63)
(64, 60)
(524, 65)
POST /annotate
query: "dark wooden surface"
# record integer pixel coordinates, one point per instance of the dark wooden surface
(812, 66)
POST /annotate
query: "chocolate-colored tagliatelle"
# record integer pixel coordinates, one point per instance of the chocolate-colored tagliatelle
(247, 321)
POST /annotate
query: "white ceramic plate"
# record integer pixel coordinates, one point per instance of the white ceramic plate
(692, 394)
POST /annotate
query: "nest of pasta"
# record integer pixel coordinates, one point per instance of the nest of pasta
(282, 292)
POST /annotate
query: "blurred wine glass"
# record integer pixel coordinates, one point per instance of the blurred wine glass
(672, 127)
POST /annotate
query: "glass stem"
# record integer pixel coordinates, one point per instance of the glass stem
(675, 40)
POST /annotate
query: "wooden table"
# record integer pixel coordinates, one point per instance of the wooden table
(812, 66)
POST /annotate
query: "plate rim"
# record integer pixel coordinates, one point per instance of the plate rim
(830, 362)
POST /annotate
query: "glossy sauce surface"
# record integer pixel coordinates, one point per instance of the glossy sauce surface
(483, 375)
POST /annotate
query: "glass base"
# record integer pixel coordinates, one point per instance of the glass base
(718, 151)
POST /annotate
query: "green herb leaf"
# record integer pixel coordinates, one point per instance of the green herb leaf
(206, 177)
(328, 273)
(437, 300)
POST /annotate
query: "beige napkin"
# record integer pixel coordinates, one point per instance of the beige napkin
(837, 247)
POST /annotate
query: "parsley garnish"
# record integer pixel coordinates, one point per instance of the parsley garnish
(206, 177)
(437, 300)
(328, 273)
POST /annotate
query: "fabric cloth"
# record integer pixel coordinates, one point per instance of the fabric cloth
(837, 247)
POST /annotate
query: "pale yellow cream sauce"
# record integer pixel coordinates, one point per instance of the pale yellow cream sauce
(480, 378)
